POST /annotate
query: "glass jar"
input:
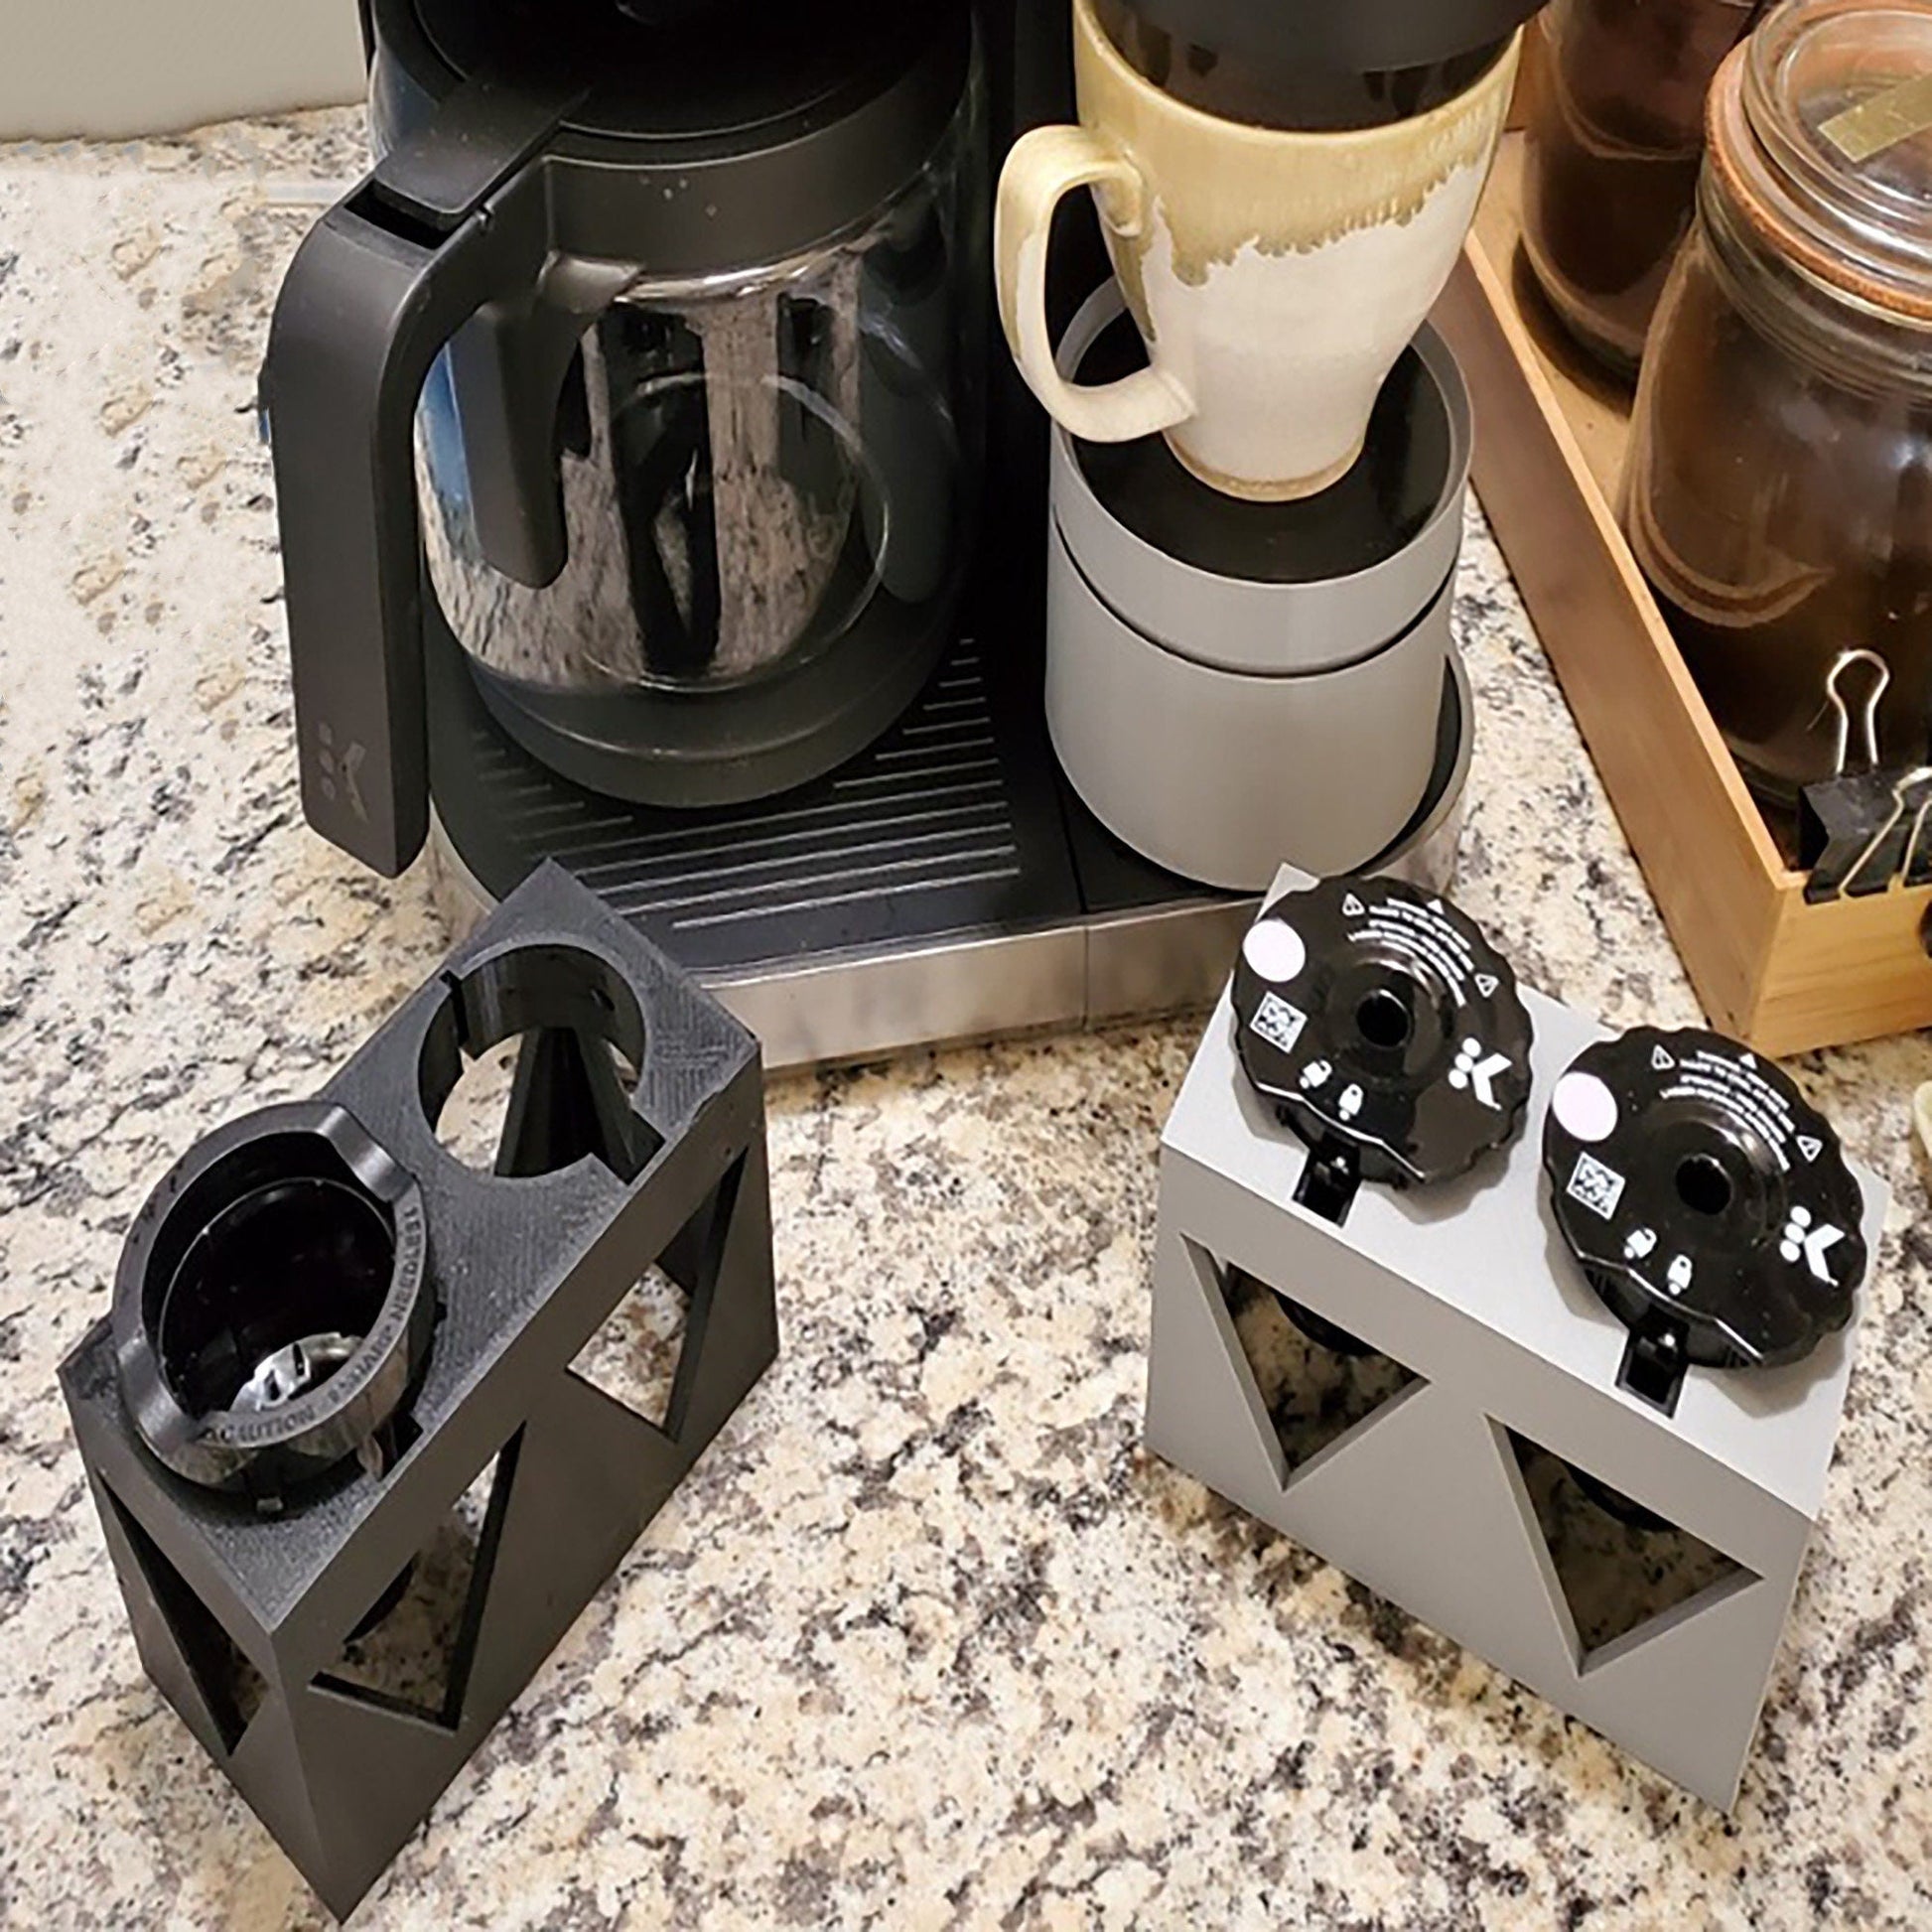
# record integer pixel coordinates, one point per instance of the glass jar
(1778, 495)
(1614, 140)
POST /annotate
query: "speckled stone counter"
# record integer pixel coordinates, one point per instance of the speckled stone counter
(928, 1640)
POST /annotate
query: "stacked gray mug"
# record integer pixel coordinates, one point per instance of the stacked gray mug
(1222, 721)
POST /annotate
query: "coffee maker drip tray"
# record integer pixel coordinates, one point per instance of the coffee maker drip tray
(945, 885)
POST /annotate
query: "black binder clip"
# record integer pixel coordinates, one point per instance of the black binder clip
(1860, 831)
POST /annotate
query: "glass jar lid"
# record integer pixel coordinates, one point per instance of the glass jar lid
(1821, 130)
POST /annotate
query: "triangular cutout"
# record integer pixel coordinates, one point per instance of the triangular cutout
(633, 1358)
(411, 1653)
(650, 1349)
(229, 1685)
(1316, 1382)
(1623, 1570)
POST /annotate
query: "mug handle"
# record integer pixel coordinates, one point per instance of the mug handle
(1044, 167)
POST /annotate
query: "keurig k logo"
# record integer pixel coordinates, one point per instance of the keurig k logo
(337, 772)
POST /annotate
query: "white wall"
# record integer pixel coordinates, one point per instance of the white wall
(143, 67)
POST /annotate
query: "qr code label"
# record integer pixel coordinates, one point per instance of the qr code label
(1279, 1023)
(1598, 1187)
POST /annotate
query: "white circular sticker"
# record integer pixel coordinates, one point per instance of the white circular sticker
(1584, 1107)
(1275, 951)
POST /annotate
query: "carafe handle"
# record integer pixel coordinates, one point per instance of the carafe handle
(451, 220)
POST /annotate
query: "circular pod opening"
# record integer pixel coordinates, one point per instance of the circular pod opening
(531, 1064)
(278, 1284)
(1385, 1019)
(1703, 1187)
(1708, 1203)
(272, 1312)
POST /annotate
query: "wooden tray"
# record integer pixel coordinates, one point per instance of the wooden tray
(1780, 974)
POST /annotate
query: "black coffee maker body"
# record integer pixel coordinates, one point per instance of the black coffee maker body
(651, 360)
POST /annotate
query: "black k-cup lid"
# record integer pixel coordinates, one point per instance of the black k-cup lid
(1709, 1204)
(1381, 1021)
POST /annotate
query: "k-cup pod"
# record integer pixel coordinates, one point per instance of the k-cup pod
(1707, 1202)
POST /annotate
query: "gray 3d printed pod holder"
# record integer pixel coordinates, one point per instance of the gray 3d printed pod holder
(1423, 1385)
(331, 1340)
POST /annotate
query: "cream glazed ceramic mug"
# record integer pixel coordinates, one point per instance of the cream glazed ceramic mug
(1277, 276)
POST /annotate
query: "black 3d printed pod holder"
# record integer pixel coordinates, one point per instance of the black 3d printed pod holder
(328, 1331)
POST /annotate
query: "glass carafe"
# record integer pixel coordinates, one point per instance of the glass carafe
(649, 361)
(755, 469)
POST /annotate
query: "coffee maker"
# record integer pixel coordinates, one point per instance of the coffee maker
(654, 499)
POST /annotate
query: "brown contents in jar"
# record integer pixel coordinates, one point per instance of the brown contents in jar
(1283, 90)
(1782, 512)
(1779, 495)
(1615, 141)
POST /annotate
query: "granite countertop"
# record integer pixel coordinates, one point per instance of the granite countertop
(929, 1640)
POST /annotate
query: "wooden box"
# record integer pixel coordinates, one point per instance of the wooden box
(1781, 974)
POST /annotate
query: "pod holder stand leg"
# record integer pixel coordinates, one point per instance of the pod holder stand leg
(1501, 1376)
(328, 1332)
